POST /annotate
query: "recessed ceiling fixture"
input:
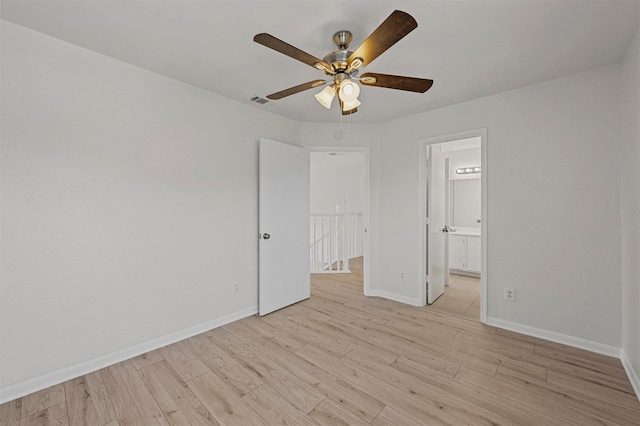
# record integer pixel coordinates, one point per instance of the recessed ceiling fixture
(342, 65)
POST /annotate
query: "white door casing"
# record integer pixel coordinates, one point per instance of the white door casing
(365, 204)
(284, 212)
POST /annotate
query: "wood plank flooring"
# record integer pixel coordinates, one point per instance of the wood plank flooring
(340, 358)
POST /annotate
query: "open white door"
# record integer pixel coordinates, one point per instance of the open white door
(436, 212)
(284, 212)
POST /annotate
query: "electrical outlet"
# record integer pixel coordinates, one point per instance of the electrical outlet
(402, 275)
(236, 287)
(510, 294)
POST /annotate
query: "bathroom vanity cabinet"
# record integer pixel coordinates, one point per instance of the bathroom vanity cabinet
(465, 253)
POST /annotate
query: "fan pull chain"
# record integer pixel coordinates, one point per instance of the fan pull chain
(338, 134)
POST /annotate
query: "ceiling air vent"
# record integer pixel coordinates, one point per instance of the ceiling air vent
(258, 100)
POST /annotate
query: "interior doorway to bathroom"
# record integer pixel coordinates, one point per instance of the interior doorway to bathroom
(453, 218)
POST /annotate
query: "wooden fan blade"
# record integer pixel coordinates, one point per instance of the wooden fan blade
(296, 89)
(392, 30)
(409, 84)
(280, 46)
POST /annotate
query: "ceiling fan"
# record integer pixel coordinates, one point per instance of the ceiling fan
(343, 65)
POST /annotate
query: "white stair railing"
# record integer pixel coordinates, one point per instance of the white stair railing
(335, 238)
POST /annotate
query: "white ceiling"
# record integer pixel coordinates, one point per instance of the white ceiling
(469, 48)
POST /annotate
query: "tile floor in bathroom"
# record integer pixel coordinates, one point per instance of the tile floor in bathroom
(461, 298)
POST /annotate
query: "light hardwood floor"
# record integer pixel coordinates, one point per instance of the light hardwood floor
(341, 358)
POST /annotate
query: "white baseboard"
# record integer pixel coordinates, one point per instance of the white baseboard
(631, 373)
(565, 339)
(575, 342)
(50, 379)
(396, 297)
(465, 273)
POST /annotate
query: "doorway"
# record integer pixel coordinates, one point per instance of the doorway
(340, 213)
(453, 223)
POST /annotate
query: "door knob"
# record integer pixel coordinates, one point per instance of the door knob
(266, 236)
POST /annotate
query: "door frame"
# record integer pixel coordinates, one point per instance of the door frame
(422, 191)
(366, 207)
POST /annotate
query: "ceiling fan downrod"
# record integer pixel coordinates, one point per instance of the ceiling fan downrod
(342, 39)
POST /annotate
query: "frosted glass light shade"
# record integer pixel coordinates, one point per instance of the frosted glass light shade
(325, 97)
(348, 106)
(349, 91)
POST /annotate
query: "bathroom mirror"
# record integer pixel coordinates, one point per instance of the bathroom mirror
(466, 203)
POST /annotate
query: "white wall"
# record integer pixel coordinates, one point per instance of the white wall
(129, 206)
(553, 197)
(335, 178)
(630, 211)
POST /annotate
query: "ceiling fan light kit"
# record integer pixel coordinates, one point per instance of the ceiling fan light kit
(325, 97)
(350, 105)
(342, 65)
(349, 90)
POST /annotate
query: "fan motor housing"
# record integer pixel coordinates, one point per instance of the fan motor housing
(338, 60)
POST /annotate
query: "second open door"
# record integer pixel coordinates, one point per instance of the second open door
(437, 221)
